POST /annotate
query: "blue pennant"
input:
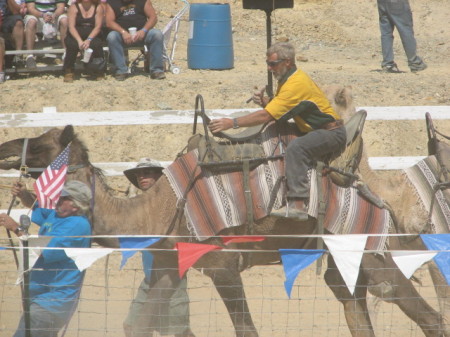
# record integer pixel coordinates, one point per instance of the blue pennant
(294, 261)
(133, 242)
(439, 242)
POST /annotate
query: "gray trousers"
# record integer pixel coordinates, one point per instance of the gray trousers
(303, 151)
(43, 323)
(397, 14)
(174, 319)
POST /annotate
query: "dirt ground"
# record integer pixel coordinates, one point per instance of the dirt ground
(337, 42)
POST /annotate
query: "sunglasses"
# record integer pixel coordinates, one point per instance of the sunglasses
(274, 63)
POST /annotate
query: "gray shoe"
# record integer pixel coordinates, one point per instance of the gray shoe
(418, 67)
(2, 77)
(392, 68)
(291, 213)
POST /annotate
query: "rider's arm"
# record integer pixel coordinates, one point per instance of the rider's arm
(252, 119)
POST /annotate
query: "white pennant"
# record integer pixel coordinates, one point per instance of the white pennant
(347, 251)
(408, 261)
(85, 257)
(35, 246)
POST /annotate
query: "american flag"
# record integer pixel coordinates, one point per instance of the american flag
(49, 185)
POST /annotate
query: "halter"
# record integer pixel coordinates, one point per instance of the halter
(25, 170)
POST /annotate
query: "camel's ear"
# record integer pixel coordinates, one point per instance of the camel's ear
(67, 135)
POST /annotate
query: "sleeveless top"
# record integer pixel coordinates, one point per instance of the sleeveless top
(80, 21)
(129, 13)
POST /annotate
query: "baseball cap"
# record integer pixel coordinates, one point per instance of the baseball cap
(77, 191)
(143, 163)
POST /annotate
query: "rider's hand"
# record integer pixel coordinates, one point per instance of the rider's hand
(258, 98)
(18, 189)
(222, 124)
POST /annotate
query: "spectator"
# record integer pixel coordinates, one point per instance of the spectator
(85, 23)
(397, 14)
(175, 321)
(299, 97)
(55, 281)
(124, 14)
(46, 17)
(13, 13)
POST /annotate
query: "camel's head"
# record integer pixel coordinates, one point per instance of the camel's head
(40, 152)
(341, 98)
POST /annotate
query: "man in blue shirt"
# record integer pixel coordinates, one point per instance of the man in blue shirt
(55, 281)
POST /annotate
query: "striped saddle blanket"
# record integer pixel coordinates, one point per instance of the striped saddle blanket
(217, 201)
(424, 176)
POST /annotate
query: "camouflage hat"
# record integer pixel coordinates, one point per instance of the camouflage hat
(77, 191)
(144, 163)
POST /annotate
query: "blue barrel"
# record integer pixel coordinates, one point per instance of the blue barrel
(210, 44)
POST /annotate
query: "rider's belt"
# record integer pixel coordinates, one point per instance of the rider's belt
(333, 125)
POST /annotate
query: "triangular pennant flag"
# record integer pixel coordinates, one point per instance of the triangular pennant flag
(189, 253)
(35, 246)
(347, 252)
(241, 239)
(439, 242)
(134, 242)
(408, 261)
(294, 261)
(85, 257)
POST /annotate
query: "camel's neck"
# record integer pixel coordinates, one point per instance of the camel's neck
(148, 213)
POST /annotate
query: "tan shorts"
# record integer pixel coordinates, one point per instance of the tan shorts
(40, 21)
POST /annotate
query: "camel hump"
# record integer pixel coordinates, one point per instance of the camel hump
(437, 147)
(343, 167)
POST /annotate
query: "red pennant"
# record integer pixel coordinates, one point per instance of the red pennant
(241, 238)
(189, 253)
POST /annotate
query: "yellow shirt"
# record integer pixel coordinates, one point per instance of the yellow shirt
(312, 107)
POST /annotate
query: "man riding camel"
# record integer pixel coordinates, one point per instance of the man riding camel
(322, 128)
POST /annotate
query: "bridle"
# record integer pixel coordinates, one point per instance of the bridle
(25, 172)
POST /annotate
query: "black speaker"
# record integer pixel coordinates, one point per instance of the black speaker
(268, 5)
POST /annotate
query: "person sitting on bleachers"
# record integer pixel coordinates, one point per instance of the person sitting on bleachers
(85, 24)
(12, 27)
(44, 16)
(121, 15)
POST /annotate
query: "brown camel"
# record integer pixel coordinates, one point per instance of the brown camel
(152, 212)
(401, 197)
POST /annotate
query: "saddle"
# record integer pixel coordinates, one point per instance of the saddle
(234, 149)
(441, 151)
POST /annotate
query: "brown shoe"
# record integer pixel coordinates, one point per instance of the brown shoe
(295, 210)
(120, 77)
(158, 75)
(68, 76)
(98, 77)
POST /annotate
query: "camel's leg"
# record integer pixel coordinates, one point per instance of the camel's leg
(355, 306)
(227, 279)
(442, 292)
(386, 281)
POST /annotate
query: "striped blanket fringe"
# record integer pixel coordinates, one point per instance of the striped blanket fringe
(423, 177)
(217, 201)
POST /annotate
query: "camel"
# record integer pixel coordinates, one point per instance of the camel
(400, 195)
(152, 213)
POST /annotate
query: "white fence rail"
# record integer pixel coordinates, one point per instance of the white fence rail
(51, 118)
